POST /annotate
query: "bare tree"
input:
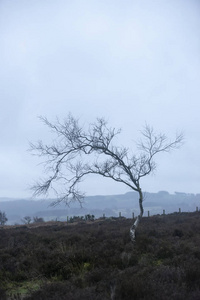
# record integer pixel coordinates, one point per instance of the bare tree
(26, 220)
(38, 220)
(76, 152)
(3, 218)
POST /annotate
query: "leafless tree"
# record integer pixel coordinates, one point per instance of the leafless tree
(38, 220)
(3, 218)
(76, 152)
(26, 220)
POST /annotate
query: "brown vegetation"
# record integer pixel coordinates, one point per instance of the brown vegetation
(96, 260)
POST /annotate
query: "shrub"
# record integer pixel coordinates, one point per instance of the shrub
(178, 232)
(97, 260)
(3, 218)
(63, 291)
(3, 294)
(38, 220)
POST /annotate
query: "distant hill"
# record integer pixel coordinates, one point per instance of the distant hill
(98, 205)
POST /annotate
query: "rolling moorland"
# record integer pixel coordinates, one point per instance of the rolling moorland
(95, 260)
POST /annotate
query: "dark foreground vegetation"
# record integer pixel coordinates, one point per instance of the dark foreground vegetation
(96, 260)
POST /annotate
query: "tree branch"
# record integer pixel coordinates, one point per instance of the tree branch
(76, 153)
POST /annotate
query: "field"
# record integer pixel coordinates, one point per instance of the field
(96, 260)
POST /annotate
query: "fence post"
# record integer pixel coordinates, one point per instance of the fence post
(163, 211)
(179, 210)
(197, 209)
(148, 213)
(133, 215)
(120, 214)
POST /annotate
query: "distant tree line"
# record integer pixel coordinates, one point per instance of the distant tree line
(88, 217)
(28, 219)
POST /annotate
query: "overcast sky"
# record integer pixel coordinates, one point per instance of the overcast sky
(131, 62)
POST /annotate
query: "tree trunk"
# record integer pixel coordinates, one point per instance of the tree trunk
(136, 223)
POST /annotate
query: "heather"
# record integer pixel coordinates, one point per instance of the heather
(97, 260)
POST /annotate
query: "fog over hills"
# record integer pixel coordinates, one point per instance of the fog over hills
(111, 205)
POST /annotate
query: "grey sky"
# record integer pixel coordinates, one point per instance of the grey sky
(130, 61)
